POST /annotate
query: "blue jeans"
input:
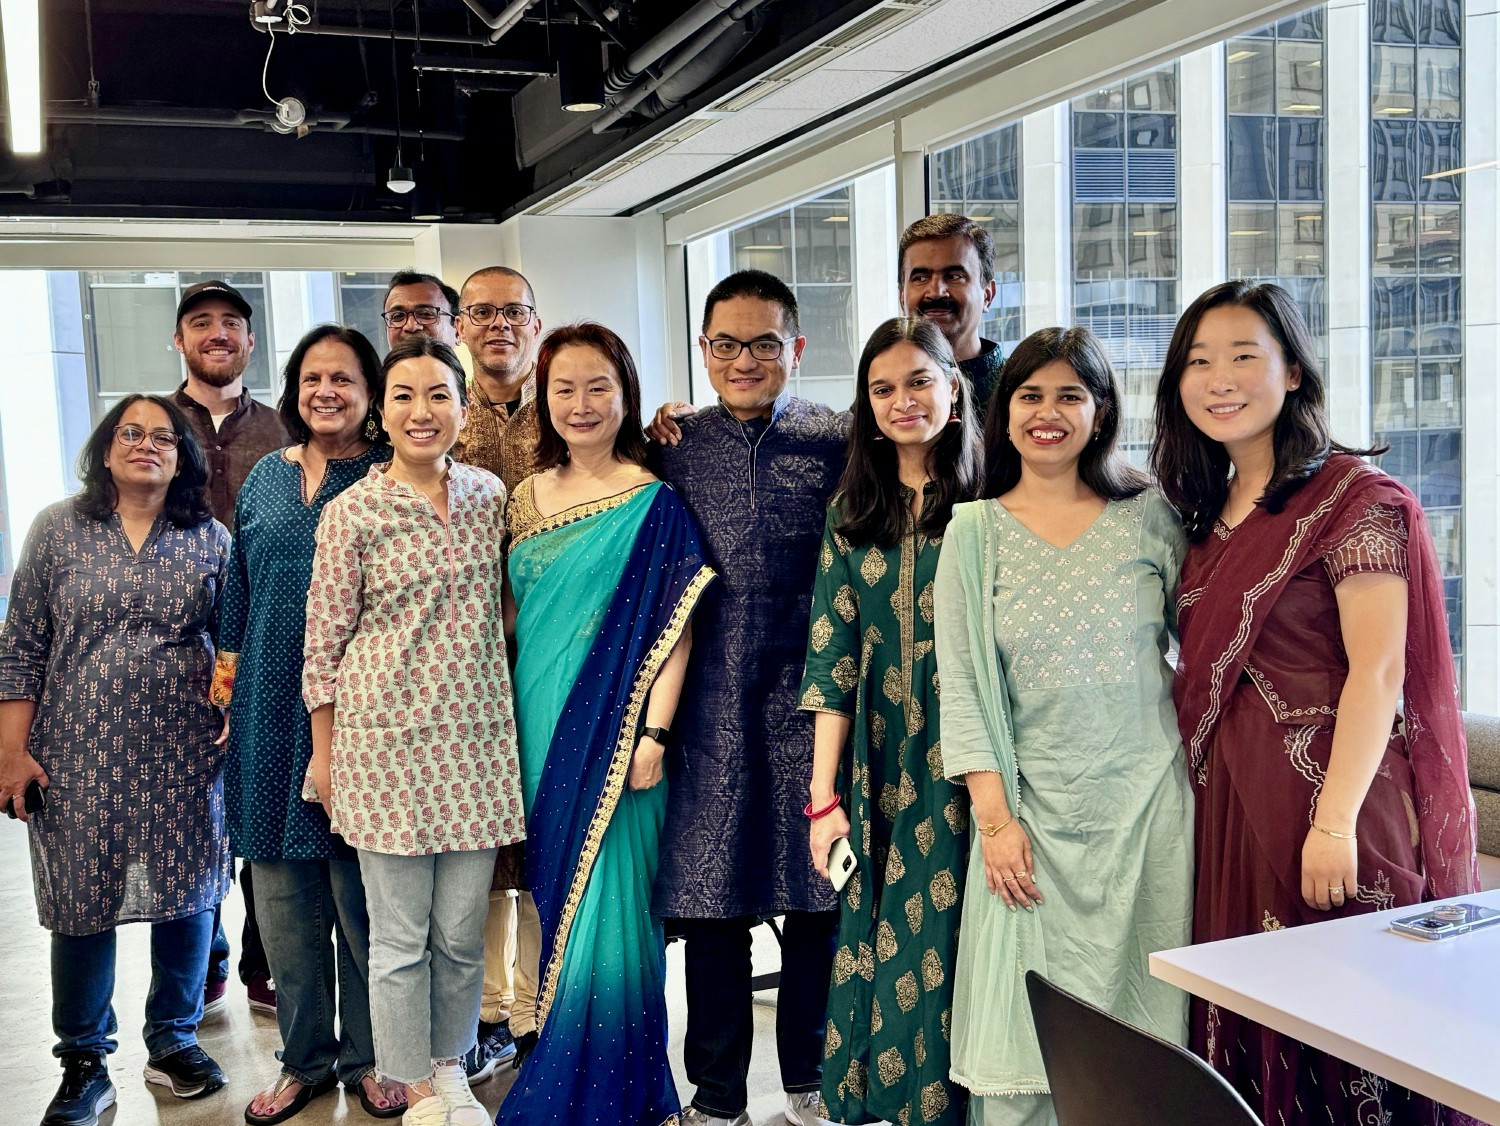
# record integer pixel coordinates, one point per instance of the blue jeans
(83, 984)
(426, 956)
(300, 903)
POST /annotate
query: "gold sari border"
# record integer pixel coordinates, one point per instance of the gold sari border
(569, 515)
(614, 782)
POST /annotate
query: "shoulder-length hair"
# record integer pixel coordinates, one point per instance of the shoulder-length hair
(414, 348)
(630, 442)
(186, 505)
(871, 508)
(1107, 475)
(369, 368)
(1193, 469)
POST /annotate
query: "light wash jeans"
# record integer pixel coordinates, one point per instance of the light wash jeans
(301, 904)
(426, 956)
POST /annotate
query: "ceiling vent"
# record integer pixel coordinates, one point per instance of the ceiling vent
(748, 96)
(869, 26)
(565, 197)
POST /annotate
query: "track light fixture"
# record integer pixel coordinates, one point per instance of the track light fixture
(580, 67)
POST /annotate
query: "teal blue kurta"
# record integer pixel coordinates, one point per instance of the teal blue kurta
(1055, 674)
(870, 657)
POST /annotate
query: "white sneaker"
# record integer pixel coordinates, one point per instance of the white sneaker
(452, 1086)
(431, 1111)
(802, 1109)
(692, 1116)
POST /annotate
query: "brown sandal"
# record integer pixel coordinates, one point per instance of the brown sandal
(364, 1098)
(307, 1094)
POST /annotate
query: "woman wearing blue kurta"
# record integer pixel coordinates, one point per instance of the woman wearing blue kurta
(306, 879)
(605, 568)
(1053, 601)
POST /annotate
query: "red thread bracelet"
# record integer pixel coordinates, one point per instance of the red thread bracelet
(824, 812)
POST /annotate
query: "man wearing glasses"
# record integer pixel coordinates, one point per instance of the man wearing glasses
(498, 324)
(420, 303)
(757, 470)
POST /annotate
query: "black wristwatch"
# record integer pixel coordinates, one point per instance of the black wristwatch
(661, 734)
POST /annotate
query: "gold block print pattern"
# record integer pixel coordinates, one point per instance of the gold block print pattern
(919, 1047)
(846, 602)
(886, 946)
(934, 1101)
(864, 964)
(895, 867)
(943, 889)
(813, 697)
(932, 969)
(832, 1041)
(821, 633)
(877, 1022)
(890, 1066)
(906, 991)
(843, 965)
(845, 674)
(914, 913)
(925, 835)
(872, 570)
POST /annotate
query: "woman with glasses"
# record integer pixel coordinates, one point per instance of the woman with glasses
(606, 569)
(105, 663)
(306, 878)
(872, 682)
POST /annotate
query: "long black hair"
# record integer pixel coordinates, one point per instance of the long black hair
(369, 367)
(871, 507)
(1192, 468)
(186, 504)
(1107, 475)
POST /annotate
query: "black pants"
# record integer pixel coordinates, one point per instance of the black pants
(720, 1024)
(252, 952)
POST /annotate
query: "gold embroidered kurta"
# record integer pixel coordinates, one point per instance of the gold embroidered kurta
(495, 439)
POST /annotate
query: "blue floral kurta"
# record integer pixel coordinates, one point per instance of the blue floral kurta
(263, 618)
(114, 647)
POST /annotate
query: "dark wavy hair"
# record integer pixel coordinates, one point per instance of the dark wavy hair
(415, 347)
(369, 367)
(759, 285)
(186, 505)
(1110, 477)
(871, 509)
(1193, 469)
(414, 277)
(630, 442)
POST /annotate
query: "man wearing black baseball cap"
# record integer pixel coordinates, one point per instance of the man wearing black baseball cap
(213, 334)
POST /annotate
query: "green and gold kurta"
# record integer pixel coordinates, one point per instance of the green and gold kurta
(870, 657)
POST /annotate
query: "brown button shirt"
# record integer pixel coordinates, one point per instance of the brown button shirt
(250, 432)
(495, 439)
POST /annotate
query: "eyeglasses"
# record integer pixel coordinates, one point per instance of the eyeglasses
(161, 439)
(727, 348)
(483, 313)
(422, 314)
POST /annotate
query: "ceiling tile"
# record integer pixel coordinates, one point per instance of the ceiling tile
(824, 90)
(945, 31)
(746, 130)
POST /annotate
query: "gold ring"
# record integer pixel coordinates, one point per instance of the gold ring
(1336, 887)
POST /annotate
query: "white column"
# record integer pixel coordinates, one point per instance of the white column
(1481, 264)
(30, 427)
(1046, 219)
(1202, 246)
(876, 294)
(1346, 217)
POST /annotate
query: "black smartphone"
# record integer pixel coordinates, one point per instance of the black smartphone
(34, 800)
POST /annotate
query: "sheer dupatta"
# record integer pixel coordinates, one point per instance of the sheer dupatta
(1222, 617)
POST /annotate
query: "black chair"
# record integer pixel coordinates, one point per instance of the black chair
(1105, 1072)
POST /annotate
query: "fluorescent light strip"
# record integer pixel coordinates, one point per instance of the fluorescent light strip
(1461, 171)
(22, 21)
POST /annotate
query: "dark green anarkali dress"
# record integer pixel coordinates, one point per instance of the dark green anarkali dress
(870, 657)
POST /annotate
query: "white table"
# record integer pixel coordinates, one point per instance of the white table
(1425, 1015)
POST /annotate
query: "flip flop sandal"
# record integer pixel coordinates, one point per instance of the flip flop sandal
(309, 1092)
(370, 1108)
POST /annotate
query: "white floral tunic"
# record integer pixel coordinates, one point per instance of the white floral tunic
(404, 638)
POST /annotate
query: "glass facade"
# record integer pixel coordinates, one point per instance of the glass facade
(1125, 233)
(982, 179)
(1416, 283)
(1276, 161)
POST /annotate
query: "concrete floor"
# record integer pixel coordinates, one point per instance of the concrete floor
(243, 1042)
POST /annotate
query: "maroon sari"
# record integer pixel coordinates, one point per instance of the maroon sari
(1258, 685)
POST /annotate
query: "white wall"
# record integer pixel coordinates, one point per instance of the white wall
(30, 427)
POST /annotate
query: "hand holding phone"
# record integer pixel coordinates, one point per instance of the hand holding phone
(34, 800)
(841, 863)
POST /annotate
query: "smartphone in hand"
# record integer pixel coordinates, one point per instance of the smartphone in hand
(34, 800)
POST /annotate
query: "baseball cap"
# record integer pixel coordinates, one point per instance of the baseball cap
(213, 288)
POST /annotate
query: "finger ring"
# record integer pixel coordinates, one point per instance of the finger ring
(1336, 887)
(1009, 879)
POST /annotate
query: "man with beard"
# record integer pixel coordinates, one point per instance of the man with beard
(498, 323)
(419, 303)
(213, 334)
(947, 275)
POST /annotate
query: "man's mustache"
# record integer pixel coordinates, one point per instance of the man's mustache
(937, 305)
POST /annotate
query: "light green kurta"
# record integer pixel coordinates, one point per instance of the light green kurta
(1070, 700)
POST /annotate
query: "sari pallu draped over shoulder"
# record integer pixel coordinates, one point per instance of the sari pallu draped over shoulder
(623, 575)
(1223, 615)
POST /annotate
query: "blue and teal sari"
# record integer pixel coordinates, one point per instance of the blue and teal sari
(603, 593)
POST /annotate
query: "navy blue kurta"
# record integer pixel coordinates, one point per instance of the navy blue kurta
(735, 840)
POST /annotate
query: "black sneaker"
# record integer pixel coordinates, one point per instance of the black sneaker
(502, 1044)
(190, 1072)
(480, 1060)
(85, 1091)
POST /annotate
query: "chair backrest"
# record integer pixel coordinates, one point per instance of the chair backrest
(1105, 1072)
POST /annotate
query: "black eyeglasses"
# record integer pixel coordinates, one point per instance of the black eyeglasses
(161, 439)
(422, 314)
(727, 348)
(483, 313)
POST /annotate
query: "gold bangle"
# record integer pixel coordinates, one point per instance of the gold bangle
(1335, 836)
(991, 830)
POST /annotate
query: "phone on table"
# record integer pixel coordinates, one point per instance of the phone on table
(841, 863)
(34, 800)
(1447, 921)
